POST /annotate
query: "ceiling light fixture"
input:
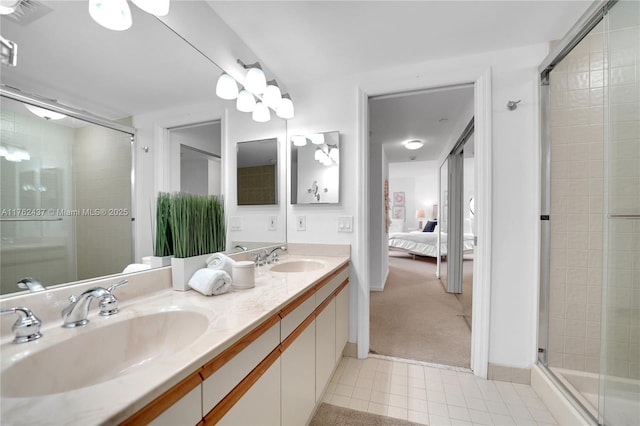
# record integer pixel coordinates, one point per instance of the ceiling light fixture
(414, 144)
(44, 113)
(261, 113)
(226, 88)
(7, 7)
(246, 101)
(112, 14)
(154, 7)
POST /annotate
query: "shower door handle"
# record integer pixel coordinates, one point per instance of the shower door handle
(624, 216)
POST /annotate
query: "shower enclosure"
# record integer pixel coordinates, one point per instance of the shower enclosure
(589, 331)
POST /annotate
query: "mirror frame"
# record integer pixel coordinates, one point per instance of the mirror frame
(276, 182)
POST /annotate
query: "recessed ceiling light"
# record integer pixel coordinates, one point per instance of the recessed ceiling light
(414, 144)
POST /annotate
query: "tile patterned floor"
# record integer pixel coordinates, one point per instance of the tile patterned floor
(434, 396)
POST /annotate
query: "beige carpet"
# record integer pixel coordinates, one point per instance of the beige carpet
(414, 318)
(332, 415)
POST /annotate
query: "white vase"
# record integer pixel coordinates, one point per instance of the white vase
(159, 261)
(182, 269)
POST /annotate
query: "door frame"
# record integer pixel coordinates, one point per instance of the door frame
(483, 175)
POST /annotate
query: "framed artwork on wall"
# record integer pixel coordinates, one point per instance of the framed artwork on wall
(398, 198)
(398, 212)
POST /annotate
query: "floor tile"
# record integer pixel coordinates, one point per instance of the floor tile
(439, 420)
(418, 417)
(436, 396)
(417, 405)
(359, 404)
(361, 393)
(397, 413)
(480, 417)
(460, 413)
(380, 397)
(380, 409)
(343, 390)
(437, 409)
(398, 401)
(340, 401)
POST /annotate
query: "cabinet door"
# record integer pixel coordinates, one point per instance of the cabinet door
(261, 404)
(342, 321)
(299, 378)
(325, 347)
(187, 411)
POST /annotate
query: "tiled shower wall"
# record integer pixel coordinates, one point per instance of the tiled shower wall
(577, 200)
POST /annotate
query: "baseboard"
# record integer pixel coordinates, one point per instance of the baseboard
(504, 373)
(557, 403)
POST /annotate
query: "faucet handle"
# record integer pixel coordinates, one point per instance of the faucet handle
(27, 326)
(109, 303)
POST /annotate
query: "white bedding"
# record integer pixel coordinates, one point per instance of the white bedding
(425, 243)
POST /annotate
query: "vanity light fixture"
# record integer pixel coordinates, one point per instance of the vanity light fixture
(154, 7)
(272, 94)
(285, 107)
(112, 14)
(317, 138)
(414, 144)
(299, 140)
(14, 154)
(44, 113)
(7, 7)
(334, 153)
(254, 81)
(261, 113)
(246, 101)
(226, 88)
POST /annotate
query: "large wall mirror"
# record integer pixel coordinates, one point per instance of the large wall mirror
(126, 77)
(315, 168)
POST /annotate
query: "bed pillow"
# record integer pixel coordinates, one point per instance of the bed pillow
(430, 226)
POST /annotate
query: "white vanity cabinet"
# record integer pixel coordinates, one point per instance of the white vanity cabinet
(273, 375)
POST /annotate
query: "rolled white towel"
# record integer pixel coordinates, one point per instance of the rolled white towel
(136, 267)
(210, 281)
(220, 261)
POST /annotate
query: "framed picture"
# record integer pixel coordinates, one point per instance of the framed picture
(398, 198)
(398, 213)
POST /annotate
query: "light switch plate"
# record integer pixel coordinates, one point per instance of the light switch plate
(301, 223)
(345, 223)
(273, 223)
(235, 223)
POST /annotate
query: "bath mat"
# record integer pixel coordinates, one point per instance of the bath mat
(332, 415)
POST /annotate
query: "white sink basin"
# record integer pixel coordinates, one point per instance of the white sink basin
(103, 353)
(304, 265)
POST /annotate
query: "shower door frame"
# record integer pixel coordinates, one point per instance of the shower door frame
(592, 17)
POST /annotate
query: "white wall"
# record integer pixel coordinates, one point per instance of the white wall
(419, 181)
(333, 105)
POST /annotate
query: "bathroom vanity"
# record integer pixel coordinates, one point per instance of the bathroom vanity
(259, 356)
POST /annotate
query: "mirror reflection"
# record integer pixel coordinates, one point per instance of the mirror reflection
(65, 185)
(257, 169)
(315, 168)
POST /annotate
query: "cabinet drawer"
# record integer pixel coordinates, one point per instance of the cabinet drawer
(222, 381)
(325, 291)
(187, 411)
(294, 318)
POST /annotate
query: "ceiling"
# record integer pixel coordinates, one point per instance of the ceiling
(429, 115)
(310, 40)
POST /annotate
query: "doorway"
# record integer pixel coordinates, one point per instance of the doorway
(412, 315)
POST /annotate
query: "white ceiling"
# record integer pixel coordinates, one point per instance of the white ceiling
(309, 40)
(431, 116)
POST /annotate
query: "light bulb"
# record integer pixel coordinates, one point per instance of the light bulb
(112, 14)
(226, 88)
(414, 144)
(44, 113)
(255, 81)
(272, 95)
(317, 138)
(246, 102)
(285, 107)
(7, 7)
(261, 114)
(3, 151)
(299, 140)
(318, 154)
(154, 7)
(334, 154)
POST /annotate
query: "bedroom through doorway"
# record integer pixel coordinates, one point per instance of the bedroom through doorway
(413, 315)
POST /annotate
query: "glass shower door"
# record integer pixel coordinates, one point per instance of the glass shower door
(620, 352)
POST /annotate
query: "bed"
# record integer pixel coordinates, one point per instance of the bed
(424, 243)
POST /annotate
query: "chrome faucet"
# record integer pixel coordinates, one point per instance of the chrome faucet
(272, 256)
(27, 327)
(31, 283)
(242, 248)
(75, 315)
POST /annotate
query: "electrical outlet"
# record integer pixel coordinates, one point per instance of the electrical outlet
(273, 223)
(345, 223)
(301, 223)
